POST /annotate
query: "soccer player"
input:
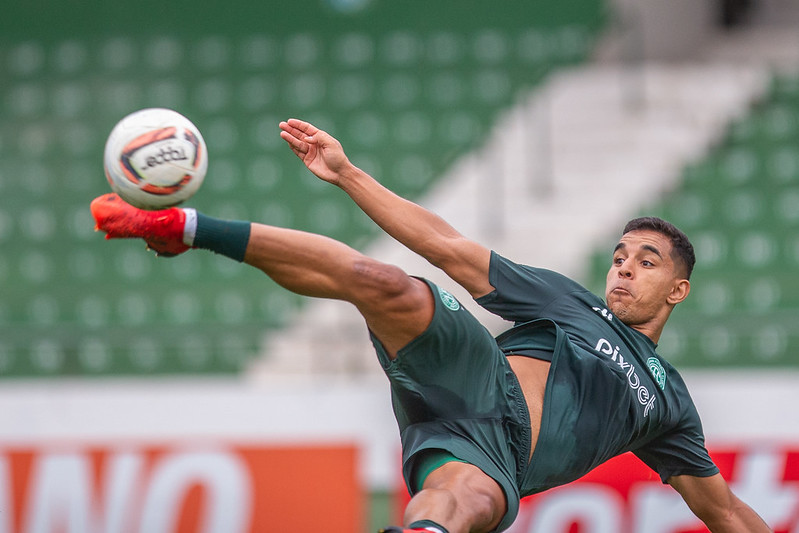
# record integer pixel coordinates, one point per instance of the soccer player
(484, 421)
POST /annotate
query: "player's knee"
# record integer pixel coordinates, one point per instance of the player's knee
(431, 504)
(479, 499)
(486, 501)
(377, 281)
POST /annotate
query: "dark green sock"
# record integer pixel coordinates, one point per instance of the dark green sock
(225, 237)
(427, 523)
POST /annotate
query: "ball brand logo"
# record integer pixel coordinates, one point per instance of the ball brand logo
(167, 154)
(645, 398)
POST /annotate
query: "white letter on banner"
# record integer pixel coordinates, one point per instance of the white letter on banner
(6, 519)
(658, 508)
(222, 475)
(60, 495)
(759, 483)
(595, 508)
(122, 484)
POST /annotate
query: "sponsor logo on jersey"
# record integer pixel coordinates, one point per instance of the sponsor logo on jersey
(658, 372)
(645, 398)
(450, 301)
(604, 312)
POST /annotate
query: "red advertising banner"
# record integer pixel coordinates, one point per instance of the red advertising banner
(178, 489)
(625, 496)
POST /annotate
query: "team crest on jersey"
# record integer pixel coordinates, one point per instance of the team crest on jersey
(450, 301)
(658, 372)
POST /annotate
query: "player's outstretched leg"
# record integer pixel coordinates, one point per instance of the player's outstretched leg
(162, 230)
(396, 307)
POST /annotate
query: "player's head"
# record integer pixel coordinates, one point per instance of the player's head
(649, 274)
(682, 251)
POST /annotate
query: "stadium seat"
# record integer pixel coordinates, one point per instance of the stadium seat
(405, 99)
(740, 206)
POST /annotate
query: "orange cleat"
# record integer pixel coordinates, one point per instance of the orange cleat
(162, 230)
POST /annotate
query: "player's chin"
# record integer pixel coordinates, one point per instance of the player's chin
(618, 309)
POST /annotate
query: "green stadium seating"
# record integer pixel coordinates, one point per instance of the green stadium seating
(740, 206)
(407, 87)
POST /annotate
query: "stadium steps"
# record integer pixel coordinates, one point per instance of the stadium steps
(745, 194)
(619, 139)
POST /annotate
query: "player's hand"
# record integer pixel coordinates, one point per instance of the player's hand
(320, 151)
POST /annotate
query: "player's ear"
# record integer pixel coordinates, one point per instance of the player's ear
(679, 291)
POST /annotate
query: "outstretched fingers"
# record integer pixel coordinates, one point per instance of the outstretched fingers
(306, 128)
(298, 147)
(296, 140)
(294, 129)
(320, 152)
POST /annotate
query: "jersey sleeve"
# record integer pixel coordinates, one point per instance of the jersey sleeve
(679, 452)
(522, 292)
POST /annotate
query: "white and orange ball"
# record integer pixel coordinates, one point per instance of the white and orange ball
(155, 158)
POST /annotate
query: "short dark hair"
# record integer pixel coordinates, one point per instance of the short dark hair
(682, 249)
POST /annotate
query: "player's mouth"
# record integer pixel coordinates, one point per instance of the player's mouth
(621, 291)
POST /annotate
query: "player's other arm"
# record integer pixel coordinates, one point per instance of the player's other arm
(422, 231)
(711, 499)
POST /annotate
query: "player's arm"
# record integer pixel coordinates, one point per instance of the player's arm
(711, 499)
(422, 231)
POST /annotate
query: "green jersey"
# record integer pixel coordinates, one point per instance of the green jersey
(608, 390)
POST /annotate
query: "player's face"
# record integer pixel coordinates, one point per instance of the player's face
(644, 283)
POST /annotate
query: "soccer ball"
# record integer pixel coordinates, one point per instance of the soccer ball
(155, 158)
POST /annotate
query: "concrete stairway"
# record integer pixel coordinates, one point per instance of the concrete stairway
(557, 178)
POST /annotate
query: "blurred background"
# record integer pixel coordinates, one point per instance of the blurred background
(193, 394)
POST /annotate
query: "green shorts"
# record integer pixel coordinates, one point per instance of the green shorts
(453, 389)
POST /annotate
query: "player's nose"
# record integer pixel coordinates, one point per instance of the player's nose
(625, 272)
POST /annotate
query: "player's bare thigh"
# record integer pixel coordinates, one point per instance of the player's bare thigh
(532, 375)
(399, 311)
